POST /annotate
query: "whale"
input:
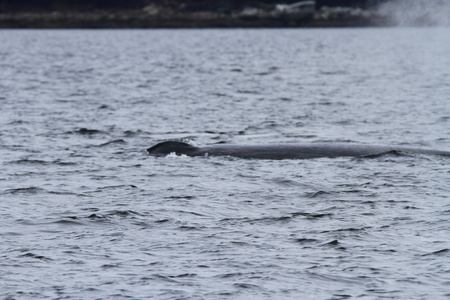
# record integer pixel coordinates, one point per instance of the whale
(284, 151)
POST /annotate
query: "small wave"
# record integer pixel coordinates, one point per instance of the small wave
(267, 220)
(351, 229)
(41, 162)
(439, 252)
(35, 256)
(11, 233)
(277, 219)
(27, 190)
(131, 133)
(123, 213)
(63, 163)
(229, 275)
(68, 222)
(113, 142)
(285, 182)
(192, 213)
(162, 221)
(311, 215)
(383, 154)
(248, 92)
(335, 244)
(316, 194)
(246, 285)
(110, 266)
(305, 240)
(163, 278)
(113, 187)
(29, 162)
(86, 131)
(189, 228)
(332, 243)
(98, 217)
(341, 296)
(188, 197)
(184, 275)
(66, 193)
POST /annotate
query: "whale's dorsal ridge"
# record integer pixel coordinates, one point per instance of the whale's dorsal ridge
(168, 147)
(287, 151)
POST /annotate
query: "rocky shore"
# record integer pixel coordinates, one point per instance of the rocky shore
(154, 17)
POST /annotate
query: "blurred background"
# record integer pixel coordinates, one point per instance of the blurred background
(190, 13)
(189, 5)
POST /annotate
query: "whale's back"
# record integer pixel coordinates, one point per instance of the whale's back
(283, 151)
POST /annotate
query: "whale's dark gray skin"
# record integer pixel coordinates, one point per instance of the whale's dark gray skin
(282, 151)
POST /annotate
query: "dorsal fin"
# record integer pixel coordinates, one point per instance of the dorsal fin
(168, 147)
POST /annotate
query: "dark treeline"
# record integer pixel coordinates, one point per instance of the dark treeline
(186, 5)
(349, 3)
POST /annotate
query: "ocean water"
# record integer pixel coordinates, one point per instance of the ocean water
(85, 213)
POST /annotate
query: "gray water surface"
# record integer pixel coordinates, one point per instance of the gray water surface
(85, 213)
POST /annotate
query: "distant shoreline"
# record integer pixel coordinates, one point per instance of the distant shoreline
(141, 19)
